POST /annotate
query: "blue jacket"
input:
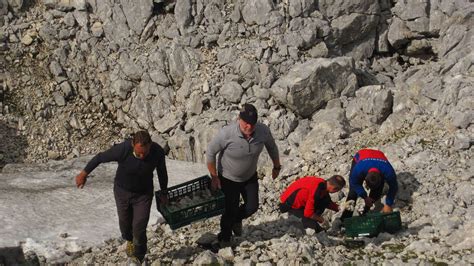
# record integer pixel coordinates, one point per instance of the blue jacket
(362, 166)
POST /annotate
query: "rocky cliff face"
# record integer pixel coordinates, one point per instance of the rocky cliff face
(328, 77)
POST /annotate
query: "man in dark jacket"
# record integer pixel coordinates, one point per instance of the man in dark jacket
(308, 197)
(133, 186)
(373, 168)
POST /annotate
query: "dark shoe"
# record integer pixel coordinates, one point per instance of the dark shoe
(133, 261)
(237, 229)
(219, 244)
(283, 207)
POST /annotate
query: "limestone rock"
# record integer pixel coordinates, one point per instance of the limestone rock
(307, 87)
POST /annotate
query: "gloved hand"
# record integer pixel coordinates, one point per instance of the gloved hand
(387, 209)
(348, 205)
(81, 179)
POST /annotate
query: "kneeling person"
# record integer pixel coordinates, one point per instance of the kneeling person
(308, 197)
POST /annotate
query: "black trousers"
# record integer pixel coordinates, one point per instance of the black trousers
(233, 212)
(133, 211)
(375, 194)
(307, 222)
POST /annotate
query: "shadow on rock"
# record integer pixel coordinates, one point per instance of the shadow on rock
(13, 148)
(11, 256)
(407, 185)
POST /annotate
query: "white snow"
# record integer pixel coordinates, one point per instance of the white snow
(42, 210)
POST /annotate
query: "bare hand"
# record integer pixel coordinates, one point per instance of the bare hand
(81, 179)
(215, 183)
(163, 199)
(318, 218)
(368, 202)
(387, 209)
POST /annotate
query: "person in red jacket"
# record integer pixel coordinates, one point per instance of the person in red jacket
(308, 197)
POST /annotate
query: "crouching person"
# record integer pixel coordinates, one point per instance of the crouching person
(372, 168)
(308, 197)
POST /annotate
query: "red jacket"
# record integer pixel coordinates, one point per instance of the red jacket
(369, 153)
(309, 190)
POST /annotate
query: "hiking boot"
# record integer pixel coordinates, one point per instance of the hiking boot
(133, 261)
(237, 229)
(218, 244)
(130, 249)
(224, 244)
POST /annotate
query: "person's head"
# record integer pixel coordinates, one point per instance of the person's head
(373, 178)
(335, 183)
(141, 144)
(248, 118)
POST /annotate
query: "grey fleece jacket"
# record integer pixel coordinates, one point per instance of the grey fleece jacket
(238, 157)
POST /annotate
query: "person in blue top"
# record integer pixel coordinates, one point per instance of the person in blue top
(373, 167)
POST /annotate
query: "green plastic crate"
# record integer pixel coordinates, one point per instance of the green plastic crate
(368, 225)
(373, 223)
(392, 222)
(177, 218)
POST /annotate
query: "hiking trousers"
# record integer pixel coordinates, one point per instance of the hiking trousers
(235, 213)
(133, 211)
(319, 208)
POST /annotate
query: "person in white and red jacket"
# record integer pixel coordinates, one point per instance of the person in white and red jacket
(308, 197)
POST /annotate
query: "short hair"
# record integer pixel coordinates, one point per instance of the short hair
(373, 179)
(248, 113)
(142, 137)
(337, 181)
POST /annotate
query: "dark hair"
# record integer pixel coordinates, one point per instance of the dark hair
(248, 113)
(373, 179)
(337, 181)
(142, 137)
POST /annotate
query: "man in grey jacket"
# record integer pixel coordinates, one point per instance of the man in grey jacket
(239, 145)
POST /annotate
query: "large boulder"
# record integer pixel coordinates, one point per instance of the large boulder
(329, 125)
(372, 105)
(182, 14)
(123, 18)
(180, 63)
(114, 20)
(304, 32)
(301, 8)
(355, 34)
(256, 12)
(336, 8)
(399, 34)
(137, 12)
(353, 27)
(307, 87)
(231, 91)
(149, 103)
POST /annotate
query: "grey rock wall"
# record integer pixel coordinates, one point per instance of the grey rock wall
(328, 78)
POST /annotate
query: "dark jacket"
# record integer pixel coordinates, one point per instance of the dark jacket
(133, 174)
